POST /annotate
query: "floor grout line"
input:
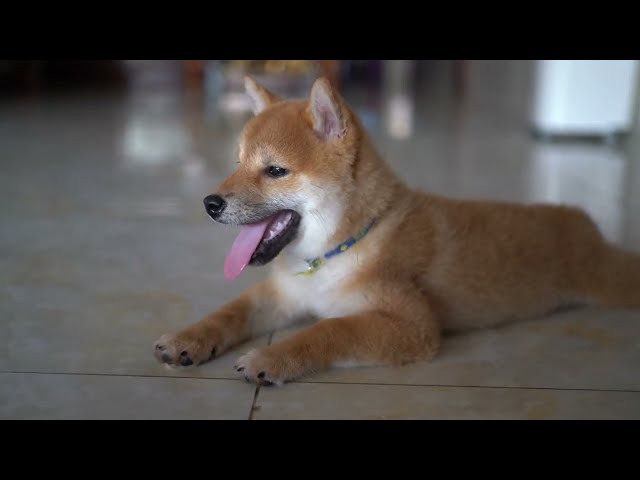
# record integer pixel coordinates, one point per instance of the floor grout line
(504, 387)
(93, 374)
(255, 395)
(253, 404)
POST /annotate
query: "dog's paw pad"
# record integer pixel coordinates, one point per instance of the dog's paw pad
(175, 351)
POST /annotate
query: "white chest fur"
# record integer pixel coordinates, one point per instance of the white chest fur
(325, 293)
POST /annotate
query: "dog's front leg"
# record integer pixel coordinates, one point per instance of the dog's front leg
(377, 337)
(256, 311)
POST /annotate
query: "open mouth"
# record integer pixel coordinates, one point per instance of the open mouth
(259, 243)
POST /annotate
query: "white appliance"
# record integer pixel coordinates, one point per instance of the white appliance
(584, 97)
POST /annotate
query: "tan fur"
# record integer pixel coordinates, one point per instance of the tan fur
(430, 264)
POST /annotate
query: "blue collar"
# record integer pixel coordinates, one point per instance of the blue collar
(316, 263)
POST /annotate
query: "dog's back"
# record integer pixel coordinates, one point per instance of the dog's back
(483, 263)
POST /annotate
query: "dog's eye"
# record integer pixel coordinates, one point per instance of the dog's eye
(276, 171)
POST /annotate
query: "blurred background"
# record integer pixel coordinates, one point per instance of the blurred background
(562, 131)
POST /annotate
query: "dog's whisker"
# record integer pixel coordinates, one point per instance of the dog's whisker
(320, 218)
(256, 205)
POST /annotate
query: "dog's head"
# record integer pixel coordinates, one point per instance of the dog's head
(293, 178)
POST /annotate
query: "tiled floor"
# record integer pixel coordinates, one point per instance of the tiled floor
(104, 246)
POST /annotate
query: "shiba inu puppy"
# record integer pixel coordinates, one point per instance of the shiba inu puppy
(383, 268)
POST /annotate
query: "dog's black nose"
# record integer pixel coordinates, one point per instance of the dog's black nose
(214, 205)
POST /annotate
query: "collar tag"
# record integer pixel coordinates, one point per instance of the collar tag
(316, 263)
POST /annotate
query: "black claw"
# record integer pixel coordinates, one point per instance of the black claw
(246, 379)
(261, 375)
(213, 353)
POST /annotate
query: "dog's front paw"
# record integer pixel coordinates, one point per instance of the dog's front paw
(264, 367)
(184, 350)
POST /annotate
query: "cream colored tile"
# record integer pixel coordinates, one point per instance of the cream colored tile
(64, 331)
(321, 401)
(586, 349)
(34, 396)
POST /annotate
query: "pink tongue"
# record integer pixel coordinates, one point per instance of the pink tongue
(243, 247)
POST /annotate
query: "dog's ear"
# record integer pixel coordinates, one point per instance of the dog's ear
(326, 112)
(261, 98)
